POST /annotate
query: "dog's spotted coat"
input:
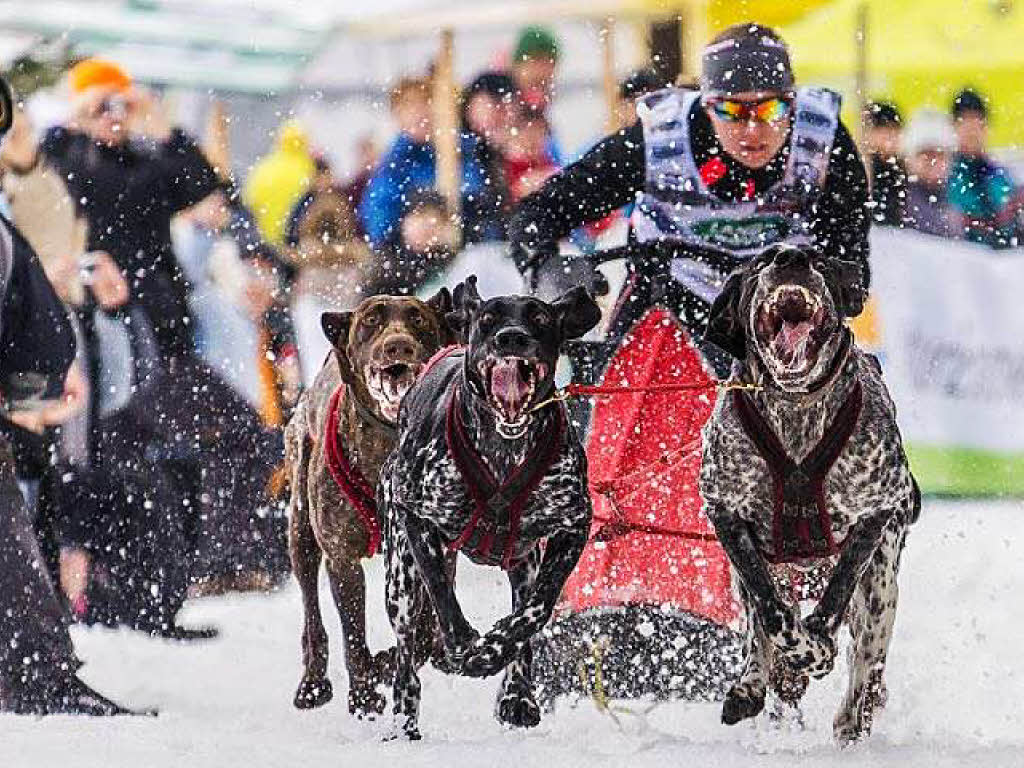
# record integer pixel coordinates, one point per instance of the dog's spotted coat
(870, 495)
(427, 506)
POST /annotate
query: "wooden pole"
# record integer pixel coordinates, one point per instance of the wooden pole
(693, 36)
(611, 86)
(218, 139)
(446, 123)
(861, 74)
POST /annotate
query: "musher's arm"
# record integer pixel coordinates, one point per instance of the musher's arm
(841, 221)
(605, 178)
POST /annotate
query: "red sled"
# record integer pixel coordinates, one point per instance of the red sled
(651, 543)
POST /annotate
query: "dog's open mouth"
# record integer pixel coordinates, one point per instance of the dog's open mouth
(789, 326)
(389, 383)
(511, 383)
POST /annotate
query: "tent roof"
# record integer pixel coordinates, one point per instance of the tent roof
(911, 36)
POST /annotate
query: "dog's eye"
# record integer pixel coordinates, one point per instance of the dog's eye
(417, 320)
(486, 318)
(371, 320)
(541, 320)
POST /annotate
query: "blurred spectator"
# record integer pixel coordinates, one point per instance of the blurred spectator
(488, 109)
(321, 182)
(410, 163)
(534, 63)
(635, 86)
(929, 142)
(277, 182)
(979, 189)
(131, 173)
(528, 163)
(426, 243)
(367, 157)
(886, 172)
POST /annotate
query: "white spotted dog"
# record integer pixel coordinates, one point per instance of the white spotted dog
(806, 482)
(480, 468)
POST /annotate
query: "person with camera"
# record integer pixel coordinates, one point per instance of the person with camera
(717, 175)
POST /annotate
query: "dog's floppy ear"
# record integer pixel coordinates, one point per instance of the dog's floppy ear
(465, 302)
(852, 289)
(441, 303)
(577, 312)
(336, 326)
(725, 322)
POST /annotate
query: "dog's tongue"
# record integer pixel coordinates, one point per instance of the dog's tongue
(508, 387)
(792, 337)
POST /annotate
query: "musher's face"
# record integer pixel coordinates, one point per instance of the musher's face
(972, 133)
(752, 142)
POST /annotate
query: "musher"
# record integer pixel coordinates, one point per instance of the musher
(716, 176)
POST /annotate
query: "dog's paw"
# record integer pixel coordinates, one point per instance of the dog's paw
(742, 702)
(807, 648)
(518, 709)
(313, 693)
(364, 701)
(487, 656)
(457, 646)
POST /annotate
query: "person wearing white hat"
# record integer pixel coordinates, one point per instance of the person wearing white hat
(929, 142)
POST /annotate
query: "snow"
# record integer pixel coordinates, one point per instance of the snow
(956, 682)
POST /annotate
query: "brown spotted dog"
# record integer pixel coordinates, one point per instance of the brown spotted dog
(806, 482)
(342, 430)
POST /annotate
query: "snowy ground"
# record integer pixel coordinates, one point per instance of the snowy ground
(956, 681)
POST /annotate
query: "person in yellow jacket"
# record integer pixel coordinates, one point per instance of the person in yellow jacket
(277, 182)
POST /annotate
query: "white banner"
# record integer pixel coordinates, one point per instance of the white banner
(952, 339)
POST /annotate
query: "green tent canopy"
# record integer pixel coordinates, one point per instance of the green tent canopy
(920, 53)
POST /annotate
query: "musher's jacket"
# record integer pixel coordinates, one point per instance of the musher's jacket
(698, 212)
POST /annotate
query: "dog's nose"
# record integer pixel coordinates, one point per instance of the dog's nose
(512, 341)
(399, 348)
(795, 258)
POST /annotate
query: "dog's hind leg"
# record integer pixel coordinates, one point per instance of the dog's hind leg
(314, 689)
(517, 704)
(745, 699)
(348, 587)
(871, 618)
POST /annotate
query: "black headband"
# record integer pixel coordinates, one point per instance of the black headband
(757, 63)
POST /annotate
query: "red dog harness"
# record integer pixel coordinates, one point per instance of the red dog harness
(354, 487)
(498, 507)
(801, 525)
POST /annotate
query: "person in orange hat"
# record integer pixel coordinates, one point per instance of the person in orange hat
(110, 108)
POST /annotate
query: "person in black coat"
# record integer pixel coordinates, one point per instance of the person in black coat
(716, 175)
(38, 664)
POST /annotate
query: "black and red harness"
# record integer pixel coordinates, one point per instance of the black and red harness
(353, 485)
(493, 528)
(801, 525)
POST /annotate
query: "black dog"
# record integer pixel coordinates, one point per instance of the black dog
(481, 469)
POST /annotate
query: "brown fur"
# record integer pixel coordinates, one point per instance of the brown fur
(382, 330)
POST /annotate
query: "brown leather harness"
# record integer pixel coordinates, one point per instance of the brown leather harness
(351, 482)
(801, 524)
(493, 528)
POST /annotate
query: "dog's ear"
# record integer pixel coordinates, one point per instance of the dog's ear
(336, 326)
(465, 302)
(441, 303)
(725, 321)
(577, 312)
(852, 287)
(845, 279)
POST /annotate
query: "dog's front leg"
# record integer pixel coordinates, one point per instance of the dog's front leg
(826, 618)
(492, 652)
(431, 559)
(781, 623)
(517, 705)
